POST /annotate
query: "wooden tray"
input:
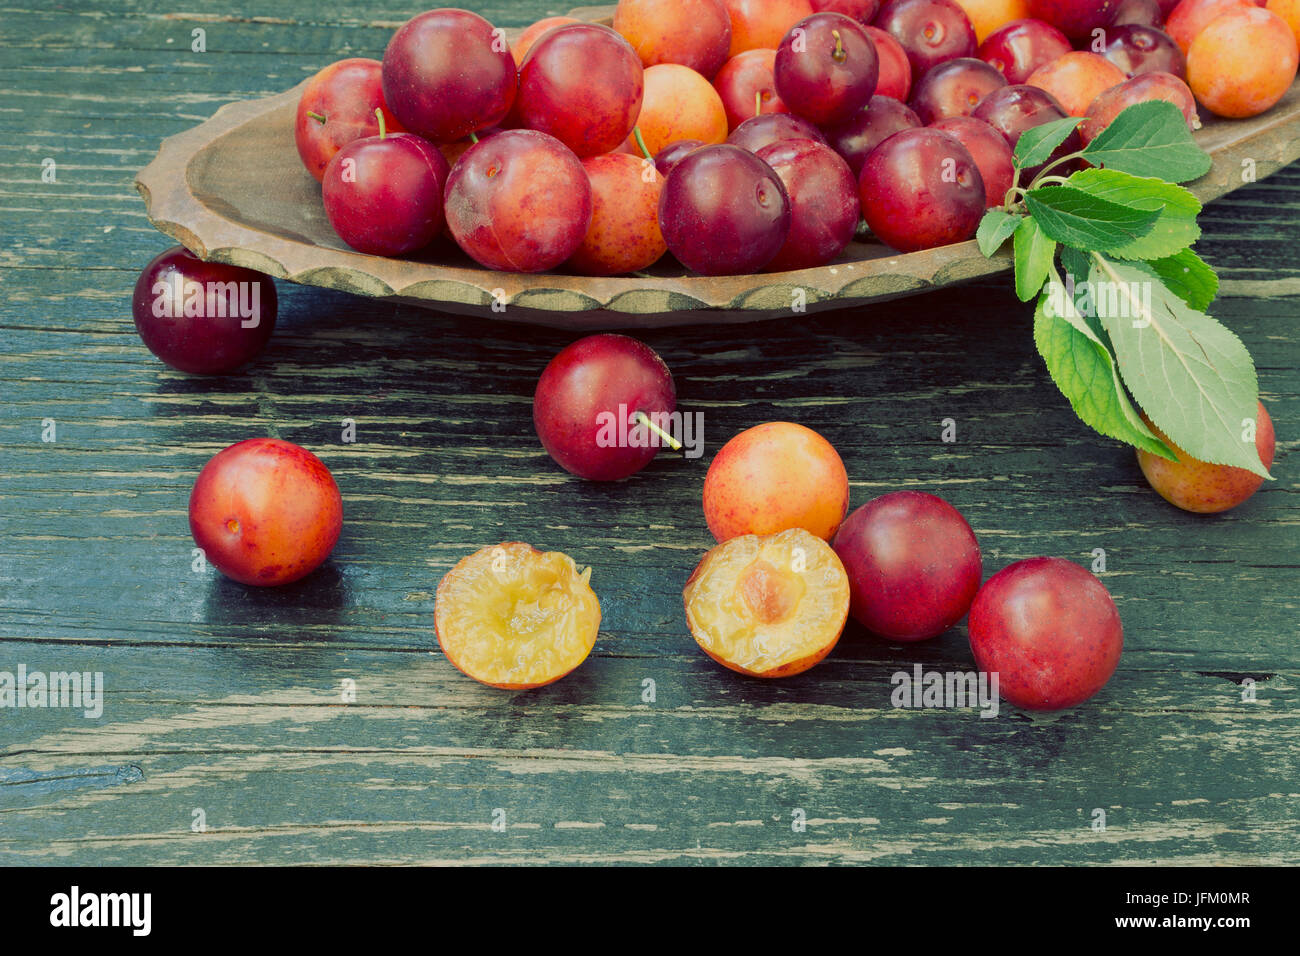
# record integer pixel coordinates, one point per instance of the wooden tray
(233, 189)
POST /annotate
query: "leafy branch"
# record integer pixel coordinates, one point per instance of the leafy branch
(1127, 322)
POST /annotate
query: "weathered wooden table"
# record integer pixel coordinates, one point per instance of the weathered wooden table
(225, 736)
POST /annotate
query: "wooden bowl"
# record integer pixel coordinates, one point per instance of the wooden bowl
(233, 189)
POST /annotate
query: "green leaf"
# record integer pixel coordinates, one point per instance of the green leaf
(1077, 263)
(995, 228)
(1150, 139)
(1187, 276)
(1036, 145)
(1083, 369)
(1034, 256)
(1174, 229)
(1192, 376)
(1075, 218)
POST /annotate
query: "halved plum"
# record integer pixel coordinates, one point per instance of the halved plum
(768, 606)
(513, 617)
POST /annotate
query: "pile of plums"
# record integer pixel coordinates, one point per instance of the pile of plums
(748, 135)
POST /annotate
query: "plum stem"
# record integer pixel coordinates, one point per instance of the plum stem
(379, 115)
(1052, 165)
(838, 56)
(641, 418)
(640, 141)
(473, 138)
(318, 117)
(758, 102)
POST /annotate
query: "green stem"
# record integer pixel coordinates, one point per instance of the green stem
(318, 117)
(643, 419)
(1053, 164)
(838, 56)
(473, 138)
(383, 130)
(640, 141)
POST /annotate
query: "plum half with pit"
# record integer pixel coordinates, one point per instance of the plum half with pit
(583, 84)
(448, 73)
(723, 211)
(826, 68)
(768, 605)
(519, 201)
(586, 404)
(206, 318)
(383, 194)
(921, 188)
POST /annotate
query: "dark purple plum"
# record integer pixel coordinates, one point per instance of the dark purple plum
(882, 117)
(668, 157)
(1137, 50)
(1075, 18)
(930, 31)
(826, 68)
(1013, 109)
(767, 128)
(207, 318)
(921, 188)
(954, 88)
(824, 206)
(724, 211)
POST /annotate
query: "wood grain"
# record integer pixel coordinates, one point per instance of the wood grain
(226, 699)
